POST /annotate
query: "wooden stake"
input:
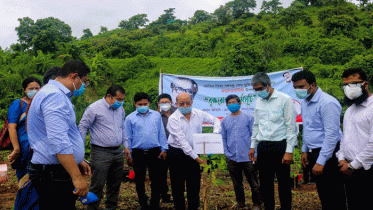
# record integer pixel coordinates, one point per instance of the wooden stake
(204, 186)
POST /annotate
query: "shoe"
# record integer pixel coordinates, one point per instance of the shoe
(256, 207)
(166, 198)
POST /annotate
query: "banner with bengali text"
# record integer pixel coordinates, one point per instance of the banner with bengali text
(209, 93)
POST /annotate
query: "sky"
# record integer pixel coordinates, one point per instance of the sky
(92, 14)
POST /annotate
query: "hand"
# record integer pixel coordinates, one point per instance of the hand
(304, 159)
(127, 153)
(287, 159)
(199, 160)
(81, 187)
(162, 155)
(317, 169)
(344, 168)
(14, 155)
(85, 169)
(252, 155)
(130, 161)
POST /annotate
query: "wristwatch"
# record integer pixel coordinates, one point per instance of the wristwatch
(350, 168)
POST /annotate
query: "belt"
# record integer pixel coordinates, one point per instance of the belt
(111, 148)
(147, 151)
(51, 167)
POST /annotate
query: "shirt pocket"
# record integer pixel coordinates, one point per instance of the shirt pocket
(276, 116)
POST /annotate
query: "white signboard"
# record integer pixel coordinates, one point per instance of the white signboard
(213, 143)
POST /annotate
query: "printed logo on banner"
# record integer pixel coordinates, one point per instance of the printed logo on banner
(209, 93)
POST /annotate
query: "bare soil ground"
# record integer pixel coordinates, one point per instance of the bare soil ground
(219, 197)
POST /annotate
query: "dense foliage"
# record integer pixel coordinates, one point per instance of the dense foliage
(324, 37)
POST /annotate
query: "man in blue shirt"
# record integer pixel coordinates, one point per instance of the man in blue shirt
(147, 140)
(55, 139)
(236, 132)
(321, 136)
(105, 121)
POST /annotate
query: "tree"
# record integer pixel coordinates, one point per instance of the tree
(135, 22)
(222, 15)
(271, 7)
(87, 33)
(240, 7)
(165, 18)
(103, 29)
(47, 30)
(200, 16)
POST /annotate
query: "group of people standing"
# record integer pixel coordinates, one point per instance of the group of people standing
(52, 150)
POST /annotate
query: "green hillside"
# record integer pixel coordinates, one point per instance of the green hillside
(323, 39)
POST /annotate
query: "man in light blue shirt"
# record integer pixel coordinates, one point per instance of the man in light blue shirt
(147, 140)
(105, 121)
(236, 130)
(321, 136)
(274, 137)
(55, 139)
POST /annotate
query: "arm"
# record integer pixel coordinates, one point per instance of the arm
(86, 122)
(255, 131)
(330, 114)
(162, 135)
(224, 134)
(14, 113)
(289, 117)
(128, 132)
(177, 133)
(208, 118)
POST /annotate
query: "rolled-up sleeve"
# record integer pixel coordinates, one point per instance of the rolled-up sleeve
(330, 114)
(177, 133)
(289, 116)
(56, 114)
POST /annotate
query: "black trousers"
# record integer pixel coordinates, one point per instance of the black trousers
(235, 170)
(269, 157)
(142, 160)
(359, 189)
(329, 184)
(163, 170)
(54, 187)
(184, 169)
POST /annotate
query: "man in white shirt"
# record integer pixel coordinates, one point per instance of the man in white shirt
(274, 137)
(183, 161)
(356, 152)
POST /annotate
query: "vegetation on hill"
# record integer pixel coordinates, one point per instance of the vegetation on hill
(323, 36)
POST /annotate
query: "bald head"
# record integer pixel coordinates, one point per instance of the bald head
(183, 97)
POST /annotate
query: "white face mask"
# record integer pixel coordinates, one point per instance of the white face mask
(165, 107)
(353, 91)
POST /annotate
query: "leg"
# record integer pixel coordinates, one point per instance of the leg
(193, 183)
(155, 177)
(252, 179)
(177, 175)
(266, 178)
(358, 189)
(114, 180)
(235, 172)
(163, 176)
(100, 163)
(139, 167)
(284, 188)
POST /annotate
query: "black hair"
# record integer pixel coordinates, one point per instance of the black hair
(232, 97)
(74, 66)
(28, 80)
(141, 95)
(164, 95)
(114, 89)
(307, 75)
(353, 71)
(50, 74)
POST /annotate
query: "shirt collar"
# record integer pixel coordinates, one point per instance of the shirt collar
(367, 102)
(62, 87)
(149, 112)
(317, 95)
(106, 104)
(273, 96)
(173, 109)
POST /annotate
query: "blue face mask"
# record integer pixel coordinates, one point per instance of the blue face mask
(142, 109)
(81, 89)
(117, 104)
(234, 107)
(302, 93)
(185, 110)
(31, 93)
(263, 93)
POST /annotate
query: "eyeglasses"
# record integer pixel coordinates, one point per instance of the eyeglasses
(180, 90)
(260, 89)
(184, 103)
(353, 84)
